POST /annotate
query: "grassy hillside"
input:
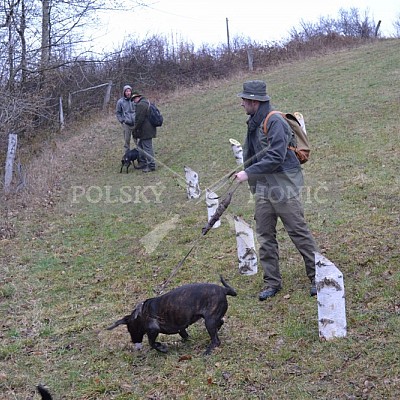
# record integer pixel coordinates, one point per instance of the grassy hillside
(86, 243)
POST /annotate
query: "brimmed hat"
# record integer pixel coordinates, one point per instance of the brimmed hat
(254, 90)
(135, 94)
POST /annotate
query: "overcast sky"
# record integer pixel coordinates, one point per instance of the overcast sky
(204, 21)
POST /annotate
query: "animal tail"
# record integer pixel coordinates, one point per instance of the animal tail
(123, 321)
(44, 393)
(230, 290)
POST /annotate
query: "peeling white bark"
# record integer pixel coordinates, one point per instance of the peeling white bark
(300, 118)
(247, 255)
(237, 151)
(331, 299)
(192, 181)
(212, 205)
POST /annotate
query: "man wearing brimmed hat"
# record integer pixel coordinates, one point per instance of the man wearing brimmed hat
(275, 177)
(145, 132)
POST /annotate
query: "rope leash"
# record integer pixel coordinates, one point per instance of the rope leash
(223, 181)
(220, 209)
(161, 287)
(215, 217)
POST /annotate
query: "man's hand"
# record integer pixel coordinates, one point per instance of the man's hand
(241, 176)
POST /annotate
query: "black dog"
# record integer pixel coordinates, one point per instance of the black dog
(44, 393)
(174, 311)
(129, 158)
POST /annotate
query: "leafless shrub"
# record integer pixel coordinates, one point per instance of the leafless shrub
(396, 25)
(351, 24)
(154, 65)
(348, 24)
(24, 111)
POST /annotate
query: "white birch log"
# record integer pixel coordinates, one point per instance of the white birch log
(12, 150)
(247, 255)
(300, 118)
(237, 151)
(331, 299)
(192, 184)
(212, 204)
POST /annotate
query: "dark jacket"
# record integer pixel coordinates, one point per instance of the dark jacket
(271, 167)
(143, 128)
(125, 109)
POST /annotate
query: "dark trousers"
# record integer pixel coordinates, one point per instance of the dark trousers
(146, 153)
(291, 213)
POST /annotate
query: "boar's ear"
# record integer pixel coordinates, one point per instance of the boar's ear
(137, 312)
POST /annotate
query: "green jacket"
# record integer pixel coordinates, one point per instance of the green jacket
(143, 128)
(274, 171)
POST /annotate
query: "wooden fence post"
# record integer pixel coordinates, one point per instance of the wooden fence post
(250, 58)
(377, 28)
(107, 96)
(69, 101)
(61, 113)
(12, 150)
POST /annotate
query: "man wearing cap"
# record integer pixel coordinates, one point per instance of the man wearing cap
(275, 177)
(145, 132)
(125, 113)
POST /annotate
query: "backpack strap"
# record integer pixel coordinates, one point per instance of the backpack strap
(265, 130)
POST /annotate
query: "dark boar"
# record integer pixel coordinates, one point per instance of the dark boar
(174, 311)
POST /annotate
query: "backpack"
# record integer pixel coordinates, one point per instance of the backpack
(299, 143)
(154, 115)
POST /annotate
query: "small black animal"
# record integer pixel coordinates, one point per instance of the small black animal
(174, 311)
(129, 158)
(44, 393)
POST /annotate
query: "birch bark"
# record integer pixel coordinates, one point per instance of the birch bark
(247, 255)
(300, 118)
(331, 299)
(212, 205)
(192, 181)
(237, 151)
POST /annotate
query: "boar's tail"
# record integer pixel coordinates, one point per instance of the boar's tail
(44, 393)
(123, 321)
(230, 290)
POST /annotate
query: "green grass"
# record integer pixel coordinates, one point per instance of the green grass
(89, 243)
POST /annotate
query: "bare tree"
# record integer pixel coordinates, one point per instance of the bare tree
(46, 40)
(396, 25)
(38, 40)
(350, 24)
